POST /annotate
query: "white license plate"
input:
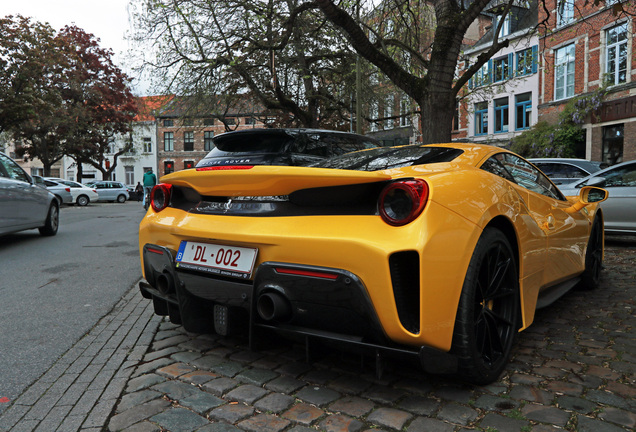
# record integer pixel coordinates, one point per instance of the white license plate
(216, 259)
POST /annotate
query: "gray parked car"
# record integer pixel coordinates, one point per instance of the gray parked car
(110, 190)
(23, 204)
(565, 170)
(620, 207)
(61, 192)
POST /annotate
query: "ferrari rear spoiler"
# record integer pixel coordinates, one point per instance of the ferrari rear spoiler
(267, 179)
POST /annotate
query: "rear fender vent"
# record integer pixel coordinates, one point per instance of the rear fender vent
(405, 278)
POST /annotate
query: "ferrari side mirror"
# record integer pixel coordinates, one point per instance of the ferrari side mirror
(588, 195)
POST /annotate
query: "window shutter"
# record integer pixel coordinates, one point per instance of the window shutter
(510, 65)
(489, 71)
(535, 58)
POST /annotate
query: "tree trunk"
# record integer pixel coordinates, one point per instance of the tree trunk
(436, 120)
(80, 171)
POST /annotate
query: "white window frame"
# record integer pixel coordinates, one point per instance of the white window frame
(614, 49)
(564, 68)
(129, 174)
(565, 12)
(388, 112)
(505, 28)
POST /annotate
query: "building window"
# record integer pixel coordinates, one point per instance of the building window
(481, 118)
(207, 140)
(527, 61)
(208, 121)
(168, 141)
(505, 27)
(405, 111)
(617, 55)
(250, 121)
(188, 164)
(188, 141)
(502, 68)
(501, 115)
(168, 167)
(188, 121)
(564, 72)
(388, 112)
(456, 116)
(230, 121)
(613, 144)
(565, 12)
(147, 145)
(129, 172)
(523, 111)
(168, 123)
(483, 76)
(373, 115)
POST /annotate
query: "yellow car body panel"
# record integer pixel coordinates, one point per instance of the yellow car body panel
(548, 238)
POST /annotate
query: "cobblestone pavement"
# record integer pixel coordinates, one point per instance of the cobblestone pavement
(573, 369)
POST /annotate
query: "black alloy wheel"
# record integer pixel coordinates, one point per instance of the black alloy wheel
(488, 313)
(591, 277)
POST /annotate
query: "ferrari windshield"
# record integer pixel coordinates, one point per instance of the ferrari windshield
(382, 158)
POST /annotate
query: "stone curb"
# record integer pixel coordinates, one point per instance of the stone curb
(80, 390)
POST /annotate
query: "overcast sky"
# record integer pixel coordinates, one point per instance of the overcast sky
(107, 20)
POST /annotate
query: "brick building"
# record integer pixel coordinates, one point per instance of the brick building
(184, 134)
(585, 47)
(501, 98)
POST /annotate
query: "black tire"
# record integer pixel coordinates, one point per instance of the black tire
(82, 200)
(121, 199)
(52, 221)
(488, 313)
(591, 277)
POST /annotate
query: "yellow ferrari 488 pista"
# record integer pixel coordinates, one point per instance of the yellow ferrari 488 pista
(442, 251)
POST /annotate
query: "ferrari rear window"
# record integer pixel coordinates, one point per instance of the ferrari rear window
(383, 158)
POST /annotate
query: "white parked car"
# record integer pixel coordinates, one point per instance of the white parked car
(82, 194)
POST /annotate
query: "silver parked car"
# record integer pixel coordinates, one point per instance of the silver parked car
(61, 192)
(620, 207)
(82, 194)
(110, 190)
(566, 170)
(23, 204)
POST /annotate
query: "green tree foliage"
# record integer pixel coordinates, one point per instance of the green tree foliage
(98, 100)
(60, 93)
(32, 68)
(560, 139)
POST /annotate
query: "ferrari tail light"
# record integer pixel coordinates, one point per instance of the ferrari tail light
(160, 196)
(402, 201)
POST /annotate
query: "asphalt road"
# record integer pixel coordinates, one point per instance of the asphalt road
(54, 289)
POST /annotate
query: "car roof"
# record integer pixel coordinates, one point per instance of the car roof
(589, 166)
(598, 173)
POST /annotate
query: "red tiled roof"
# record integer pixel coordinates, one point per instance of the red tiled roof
(149, 105)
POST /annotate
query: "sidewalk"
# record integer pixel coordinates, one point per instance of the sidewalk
(80, 390)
